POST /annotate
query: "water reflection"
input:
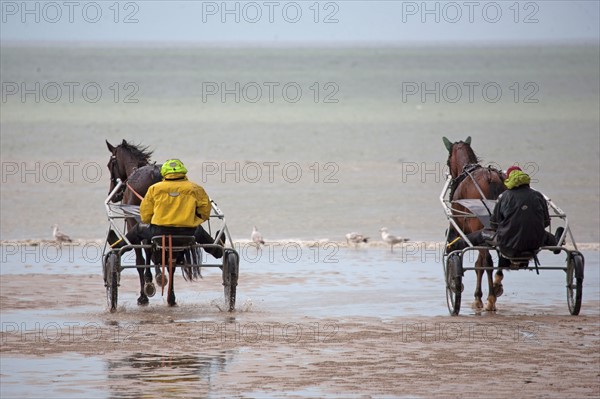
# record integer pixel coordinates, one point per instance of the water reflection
(143, 375)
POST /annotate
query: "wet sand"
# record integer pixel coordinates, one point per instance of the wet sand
(370, 325)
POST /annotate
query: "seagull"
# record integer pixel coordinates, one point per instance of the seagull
(256, 237)
(58, 236)
(355, 238)
(391, 239)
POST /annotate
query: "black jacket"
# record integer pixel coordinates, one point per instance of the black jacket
(520, 218)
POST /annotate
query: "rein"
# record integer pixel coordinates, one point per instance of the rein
(164, 255)
(162, 278)
(134, 192)
(113, 165)
(468, 172)
(467, 169)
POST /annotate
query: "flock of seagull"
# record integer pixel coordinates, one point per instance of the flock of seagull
(354, 238)
(257, 238)
(357, 238)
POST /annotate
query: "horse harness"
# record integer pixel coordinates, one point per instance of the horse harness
(468, 171)
(134, 192)
(114, 178)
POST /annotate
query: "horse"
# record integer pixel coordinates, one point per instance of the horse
(131, 164)
(467, 175)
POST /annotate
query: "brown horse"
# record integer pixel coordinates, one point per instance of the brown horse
(130, 163)
(467, 174)
(125, 159)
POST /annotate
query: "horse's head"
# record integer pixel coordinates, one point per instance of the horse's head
(124, 159)
(116, 171)
(460, 154)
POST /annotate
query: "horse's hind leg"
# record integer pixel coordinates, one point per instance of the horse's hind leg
(490, 306)
(498, 288)
(171, 296)
(149, 287)
(143, 298)
(139, 260)
(478, 303)
(148, 272)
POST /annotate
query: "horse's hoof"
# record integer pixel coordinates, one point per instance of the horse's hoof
(164, 278)
(490, 307)
(477, 305)
(143, 300)
(171, 300)
(149, 289)
(498, 290)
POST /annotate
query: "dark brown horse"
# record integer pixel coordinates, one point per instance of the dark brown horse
(131, 164)
(125, 159)
(467, 174)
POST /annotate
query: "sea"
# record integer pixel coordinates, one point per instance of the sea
(305, 143)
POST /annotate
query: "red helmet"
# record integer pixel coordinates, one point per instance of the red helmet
(509, 170)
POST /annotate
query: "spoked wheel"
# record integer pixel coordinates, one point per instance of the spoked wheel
(231, 268)
(112, 276)
(575, 283)
(454, 286)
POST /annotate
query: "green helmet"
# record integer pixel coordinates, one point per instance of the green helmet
(172, 166)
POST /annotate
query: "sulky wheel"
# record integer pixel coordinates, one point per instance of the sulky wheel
(575, 282)
(231, 268)
(454, 286)
(112, 276)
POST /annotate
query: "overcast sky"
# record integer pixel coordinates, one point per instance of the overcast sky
(280, 22)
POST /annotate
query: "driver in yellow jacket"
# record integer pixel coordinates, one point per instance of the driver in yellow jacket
(174, 206)
(175, 201)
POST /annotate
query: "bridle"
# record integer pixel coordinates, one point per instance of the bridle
(113, 167)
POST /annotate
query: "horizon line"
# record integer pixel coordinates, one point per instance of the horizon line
(296, 44)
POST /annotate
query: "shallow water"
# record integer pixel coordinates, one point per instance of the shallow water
(340, 282)
(69, 376)
(278, 303)
(172, 375)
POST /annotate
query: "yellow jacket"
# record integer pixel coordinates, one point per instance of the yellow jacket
(175, 202)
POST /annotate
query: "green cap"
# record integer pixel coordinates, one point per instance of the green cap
(172, 166)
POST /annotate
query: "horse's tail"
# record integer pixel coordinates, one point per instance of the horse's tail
(192, 273)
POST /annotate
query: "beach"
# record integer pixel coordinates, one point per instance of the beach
(308, 144)
(362, 323)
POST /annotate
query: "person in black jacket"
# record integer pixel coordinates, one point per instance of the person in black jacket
(519, 219)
